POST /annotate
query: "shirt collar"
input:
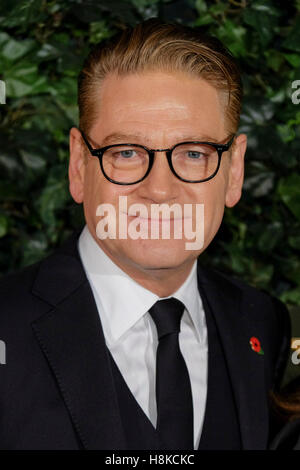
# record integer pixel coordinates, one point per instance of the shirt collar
(111, 287)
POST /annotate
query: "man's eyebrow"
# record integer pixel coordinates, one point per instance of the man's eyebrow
(117, 137)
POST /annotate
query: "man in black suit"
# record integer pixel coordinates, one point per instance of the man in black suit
(121, 339)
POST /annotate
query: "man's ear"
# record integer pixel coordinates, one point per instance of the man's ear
(236, 171)
(76, 166)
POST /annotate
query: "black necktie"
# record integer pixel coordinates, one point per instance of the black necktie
(173, 388)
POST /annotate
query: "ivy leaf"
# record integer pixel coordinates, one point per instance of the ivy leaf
(292, 41)
(32, 160)
(34, 248)
(54, 196)
(262, 16)
(21, 13)
(3, 225)
(24, 79)
(12, 50)
(289, 191)
(92, 10)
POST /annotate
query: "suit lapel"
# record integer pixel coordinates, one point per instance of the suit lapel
(246, 368)
(71, 337)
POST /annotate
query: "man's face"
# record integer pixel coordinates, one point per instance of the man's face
(160, 110)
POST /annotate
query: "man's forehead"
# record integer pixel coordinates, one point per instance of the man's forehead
(134, 110)
(171, 96)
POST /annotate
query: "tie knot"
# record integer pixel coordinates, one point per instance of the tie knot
(167, 315)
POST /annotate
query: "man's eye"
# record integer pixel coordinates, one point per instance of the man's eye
(128, 153)
(194, 154)
(125, 153)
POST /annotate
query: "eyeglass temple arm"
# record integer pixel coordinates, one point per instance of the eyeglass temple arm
(223, 147)
(87, 142)
(230, 142)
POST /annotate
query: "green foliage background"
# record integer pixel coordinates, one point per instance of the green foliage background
(42, 47)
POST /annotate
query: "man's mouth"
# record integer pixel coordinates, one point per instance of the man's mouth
(154, 219)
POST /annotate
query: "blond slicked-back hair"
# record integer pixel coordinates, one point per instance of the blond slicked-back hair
(157, 46)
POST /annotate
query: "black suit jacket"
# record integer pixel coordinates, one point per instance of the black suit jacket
(57, 389)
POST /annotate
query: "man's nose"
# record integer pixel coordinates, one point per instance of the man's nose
(161, 184)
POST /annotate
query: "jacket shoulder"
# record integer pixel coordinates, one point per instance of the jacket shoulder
(19, 290)
(251, 295)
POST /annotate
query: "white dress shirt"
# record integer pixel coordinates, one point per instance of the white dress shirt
(130, 333)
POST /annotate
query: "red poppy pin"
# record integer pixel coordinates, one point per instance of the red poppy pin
(255, 345)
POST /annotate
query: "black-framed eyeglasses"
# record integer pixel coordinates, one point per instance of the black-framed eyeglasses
(192, 162)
